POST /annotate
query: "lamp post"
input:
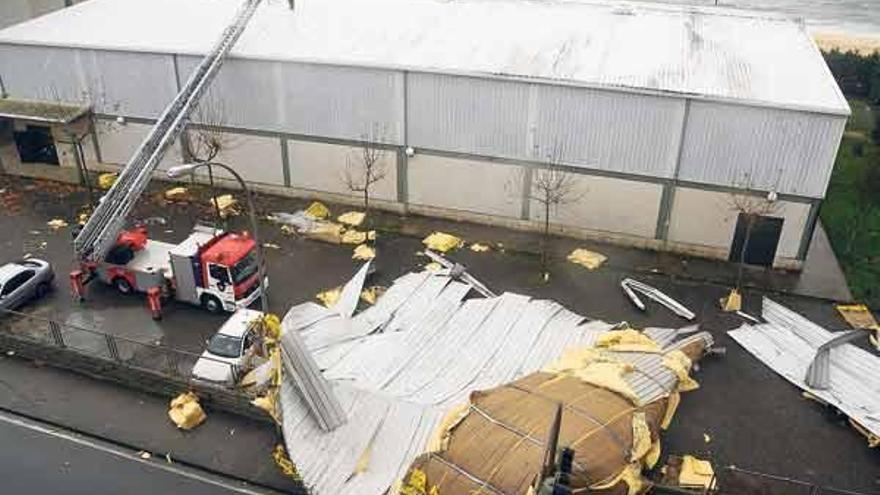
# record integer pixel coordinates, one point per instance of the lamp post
(190, 168)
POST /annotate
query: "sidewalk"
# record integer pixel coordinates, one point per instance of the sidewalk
(230, 445)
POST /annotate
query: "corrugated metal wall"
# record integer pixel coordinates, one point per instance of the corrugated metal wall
(315, 100)
(131, 84)
(731, 145)
(604, 130)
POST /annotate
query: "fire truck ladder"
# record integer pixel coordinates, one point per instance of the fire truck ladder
(100, 232)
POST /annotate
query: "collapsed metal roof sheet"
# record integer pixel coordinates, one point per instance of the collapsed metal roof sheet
(716, 53)
(400, 365)
(787, 344)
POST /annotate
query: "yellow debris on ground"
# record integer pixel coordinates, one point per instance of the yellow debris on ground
(57, 223)
(282, 460)
(672, 404)
(596, 368)
(106, 181)
(317, 211)
(363, 253)
(227, 205)
(330, 297)
(707, 438)
(678, 362)
(479, 248)
(271, 245)
(642, 443)
(352, 218)
(372, 294)
(586, 258)
(186, 412)
(627, 340)
(733, 301)
(176, 194)
(443, 242)
(326, 232)
(873, 440)
(433, 267)
(417, 484)
(857, 315)
(696, 473)
(354, 237)
(268, 403)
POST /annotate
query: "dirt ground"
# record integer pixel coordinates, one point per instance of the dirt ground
(754, 419)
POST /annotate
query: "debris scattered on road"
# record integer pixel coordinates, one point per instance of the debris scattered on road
(707, 438)
(227, 205)
(144, 455)
(363, 253)
(106, 180)
(10, 353)
(859, 316)
(732, 302)
(631, 286)
(479, 248)
(689, 472)
(459, 271)
(627, 340)
(586, 258)
(329, 297)
(168, 458)
(371, 294)
(271, 245)
(186, 412)
(177, 194)
(789, 344)
(351, 218)
(433, 267)
(748, 317)
(352, 236)
(317, 211)
(57, 223)
(443, 242)
(282, 460)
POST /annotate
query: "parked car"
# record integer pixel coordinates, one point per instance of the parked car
(230, 351)
(22, 281)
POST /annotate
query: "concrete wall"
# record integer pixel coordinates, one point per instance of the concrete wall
(322, 167)
(118, 142)
(602, 203)
(485, 187)
(707, 218)
(256, 158)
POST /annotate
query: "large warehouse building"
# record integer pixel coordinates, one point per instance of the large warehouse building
(661, 113)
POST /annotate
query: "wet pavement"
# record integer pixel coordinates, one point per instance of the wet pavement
(755, 419)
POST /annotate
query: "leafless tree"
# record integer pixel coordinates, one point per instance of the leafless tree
(367, 168)
(750, 206)
(551, 187)
(205, 138)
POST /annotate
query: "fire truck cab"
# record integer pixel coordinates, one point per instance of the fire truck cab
(211, 268)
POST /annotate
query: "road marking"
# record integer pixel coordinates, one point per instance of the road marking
(106, 447)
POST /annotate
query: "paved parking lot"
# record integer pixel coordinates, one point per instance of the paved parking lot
(753, 418)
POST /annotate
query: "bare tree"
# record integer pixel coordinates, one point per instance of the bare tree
(552, 188)
(368, 167)
(750, 207)
(205, 138)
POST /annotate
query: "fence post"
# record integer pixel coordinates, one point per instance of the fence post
(55, 332)
(112, 348)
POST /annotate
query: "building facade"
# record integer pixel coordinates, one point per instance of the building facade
(662, 115)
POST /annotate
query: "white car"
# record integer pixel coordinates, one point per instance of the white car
(230, 351)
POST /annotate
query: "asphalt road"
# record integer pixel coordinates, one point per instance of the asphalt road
(37, 458)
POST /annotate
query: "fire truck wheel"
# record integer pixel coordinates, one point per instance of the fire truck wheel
(212, 304)
(122, 285)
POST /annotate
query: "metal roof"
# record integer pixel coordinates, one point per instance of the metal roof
(701, 52)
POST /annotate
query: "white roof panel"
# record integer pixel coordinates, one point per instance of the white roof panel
(716, 53)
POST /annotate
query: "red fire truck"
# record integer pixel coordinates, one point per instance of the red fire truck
(211, 268)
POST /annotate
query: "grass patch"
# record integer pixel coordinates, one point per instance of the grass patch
(851, 218)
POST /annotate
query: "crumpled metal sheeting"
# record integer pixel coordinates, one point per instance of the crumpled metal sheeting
(393, 431)
(652, 379)
(666, 336)
(401, 364)
(787, 344)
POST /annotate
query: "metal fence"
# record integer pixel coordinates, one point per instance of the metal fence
(171, 363)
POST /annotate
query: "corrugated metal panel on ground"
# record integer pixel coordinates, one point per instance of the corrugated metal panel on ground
(787, 344)
(790, 152)
(400, 365)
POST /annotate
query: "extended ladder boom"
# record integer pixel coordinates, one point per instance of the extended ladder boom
(100, 232)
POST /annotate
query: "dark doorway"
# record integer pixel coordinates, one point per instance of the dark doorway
(764, 239)
(36, 145)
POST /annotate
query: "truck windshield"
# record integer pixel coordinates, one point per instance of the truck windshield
(225, 346)
(245, 268)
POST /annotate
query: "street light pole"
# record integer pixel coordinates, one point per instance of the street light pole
(189, 168)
